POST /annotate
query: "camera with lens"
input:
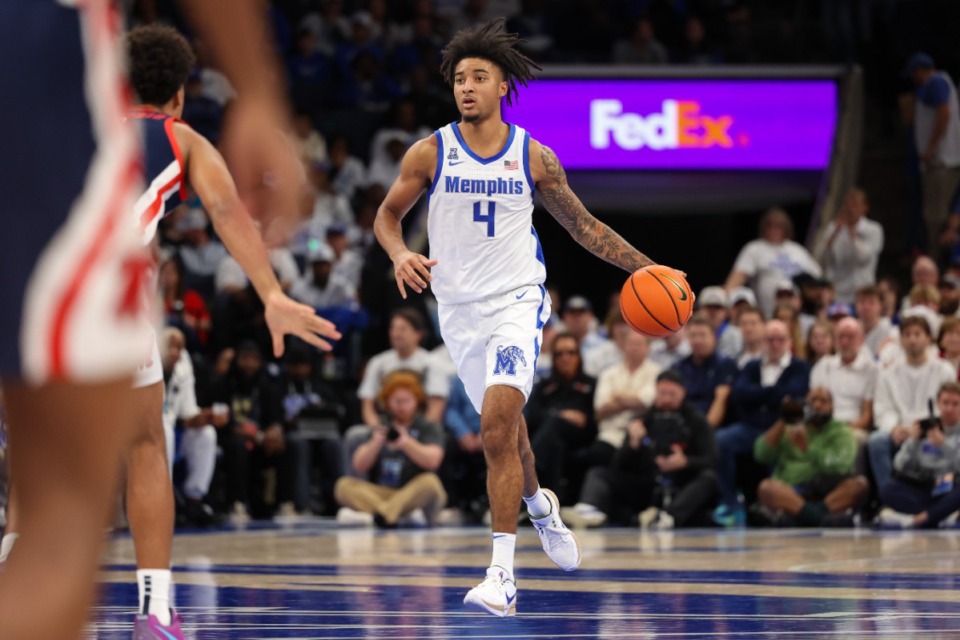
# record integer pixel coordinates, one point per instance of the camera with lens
(791, 411)
(392, 434)
(928, 423)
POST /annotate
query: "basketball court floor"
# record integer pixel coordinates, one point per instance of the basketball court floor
(311, 580)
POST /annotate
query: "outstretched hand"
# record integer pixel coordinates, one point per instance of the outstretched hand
(287, 316)
(413, 270)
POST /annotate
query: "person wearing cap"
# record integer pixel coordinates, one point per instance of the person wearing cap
(662, 475)
(838, 311)
(949, 289)
(850, 247)
(770, 259)
(320, 287)
(903, 391)
(201, 255)
(578, 319)
(714, 305)
(936, 129)
(255, 439)
(740, 299)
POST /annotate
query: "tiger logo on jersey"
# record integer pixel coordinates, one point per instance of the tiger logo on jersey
(507, 360)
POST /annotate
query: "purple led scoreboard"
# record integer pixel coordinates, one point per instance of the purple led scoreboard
(690, 124)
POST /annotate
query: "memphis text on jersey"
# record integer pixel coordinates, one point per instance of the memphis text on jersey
(510, 186)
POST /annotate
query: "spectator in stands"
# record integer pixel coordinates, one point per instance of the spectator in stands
(201, 255)
(740, 299)
(406, 333)
(320, 287)
(198, 442)
(610, 352)
(903, 393)
(753, 330)
(305, 396)
(820, 341)
(404, 127)
(663, 473)
(877, 328)
(949, 289)
(642, 47)
(708, 374)
(924, 272)
(401, 457)
(347, 261)
(623, 391)
(256, 440)
(560, 417)
(230, 277)
(770, 259)
(311, 145)
(851, 376)
(385, 168)
(464, 470)
(346, 170)
(814, 298)
(949, 342)
(670, 350)
(365, 86)
(183, 308)
(214, 85)
(697, 47)
(789, 315)
(936, 128)
(813, 482)
(329, 206)
(329, 25)
(757, 395)
(203, 113)
(532, 23)
(923, 492)
(787, 293)
(850, 247)
(714, 305)
(310, 73)
(578, 319)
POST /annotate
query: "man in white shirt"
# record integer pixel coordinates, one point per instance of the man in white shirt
(198, 443)
(406, 332)
(715, 305)
(770, 259)
(623, 391)
(321, 287)
(903, 393)
(851, 377)
(850, 247)
(936, 128)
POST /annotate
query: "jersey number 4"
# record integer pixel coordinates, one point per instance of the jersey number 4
(478, 216)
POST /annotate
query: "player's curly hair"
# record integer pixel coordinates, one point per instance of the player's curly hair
(489, 41)
(160, 60)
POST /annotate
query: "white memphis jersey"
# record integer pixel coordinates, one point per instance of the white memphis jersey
(480, 220)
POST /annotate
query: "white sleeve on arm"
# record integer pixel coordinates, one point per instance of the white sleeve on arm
(885, 413)
(746, 261)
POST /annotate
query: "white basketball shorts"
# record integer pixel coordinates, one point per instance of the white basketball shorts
(496, 340)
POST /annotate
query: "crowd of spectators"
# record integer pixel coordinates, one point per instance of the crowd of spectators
(805, 390)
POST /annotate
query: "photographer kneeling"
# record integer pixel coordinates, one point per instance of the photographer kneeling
(922, 492)
(401, 455)
(813, 457)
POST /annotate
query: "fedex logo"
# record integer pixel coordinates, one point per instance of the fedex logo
(678, 125)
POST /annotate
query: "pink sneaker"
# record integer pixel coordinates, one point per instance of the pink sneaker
(149, 628)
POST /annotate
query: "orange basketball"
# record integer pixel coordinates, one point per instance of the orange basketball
(656, 301)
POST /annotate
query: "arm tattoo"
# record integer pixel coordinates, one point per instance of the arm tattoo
(592, 234)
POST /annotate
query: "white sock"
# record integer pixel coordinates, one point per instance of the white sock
(538, 506)
(503, 546)
(154, 586)
(7, 544)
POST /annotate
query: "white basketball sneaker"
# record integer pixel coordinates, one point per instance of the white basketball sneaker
(497, 594)
(559, 542)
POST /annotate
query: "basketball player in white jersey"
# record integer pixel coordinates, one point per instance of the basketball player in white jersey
(72, 285)
(487, 272)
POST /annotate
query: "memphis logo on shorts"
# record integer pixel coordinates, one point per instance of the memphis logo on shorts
(507, 360)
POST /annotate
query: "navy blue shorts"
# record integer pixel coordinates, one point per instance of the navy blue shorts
(65, 254)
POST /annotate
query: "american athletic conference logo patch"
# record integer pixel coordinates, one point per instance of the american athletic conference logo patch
(507, 359)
